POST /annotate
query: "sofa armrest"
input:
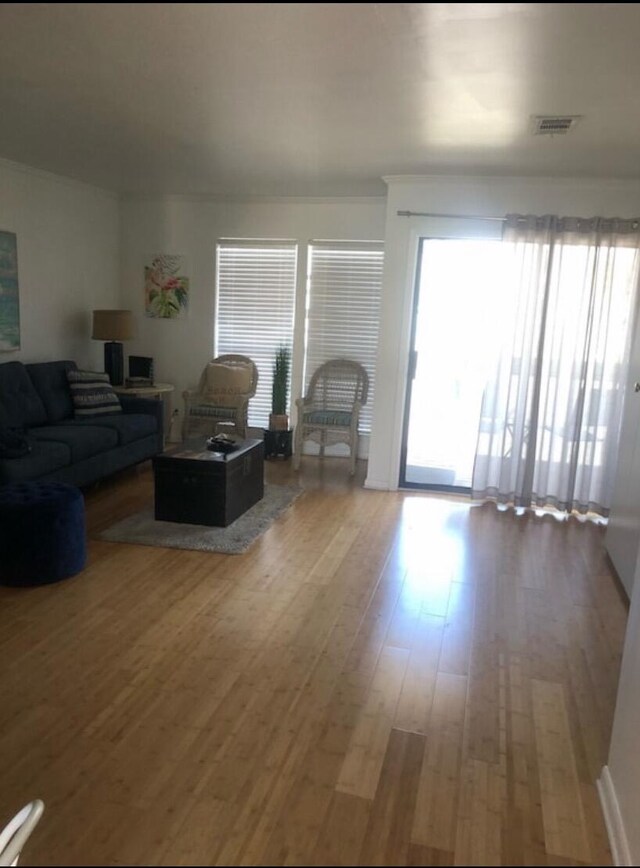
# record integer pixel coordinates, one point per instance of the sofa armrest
(150, 406)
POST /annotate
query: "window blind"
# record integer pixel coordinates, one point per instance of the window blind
(255, 294)
(343, 308)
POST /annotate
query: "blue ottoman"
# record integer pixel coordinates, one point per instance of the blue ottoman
(42, 533)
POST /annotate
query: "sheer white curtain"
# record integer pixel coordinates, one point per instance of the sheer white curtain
(551, 411)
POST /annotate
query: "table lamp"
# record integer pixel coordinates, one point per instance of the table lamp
(113, 326)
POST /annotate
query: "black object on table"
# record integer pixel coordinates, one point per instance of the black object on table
(196, 486)
(278, 443)
(222, 443)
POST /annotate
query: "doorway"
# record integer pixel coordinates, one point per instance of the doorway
(459, 294)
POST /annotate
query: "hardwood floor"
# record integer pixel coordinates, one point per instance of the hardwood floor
(383, 679)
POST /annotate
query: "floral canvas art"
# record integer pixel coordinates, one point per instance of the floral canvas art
(166, 288)
(9, 293)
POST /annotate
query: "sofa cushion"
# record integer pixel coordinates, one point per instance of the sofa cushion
(83, 442)
(212, 412)
(127, 427)
(50, 382)
(92, 394)
(339, 418)
(20, 404)
(45, 457)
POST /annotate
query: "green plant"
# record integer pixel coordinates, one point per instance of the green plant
(280, 387)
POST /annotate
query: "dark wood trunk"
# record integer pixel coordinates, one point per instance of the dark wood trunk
(195, 486)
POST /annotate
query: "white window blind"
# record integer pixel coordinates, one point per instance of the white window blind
(343, 308)
(255, 295)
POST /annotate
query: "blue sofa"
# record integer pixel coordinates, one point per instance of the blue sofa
(36, 398)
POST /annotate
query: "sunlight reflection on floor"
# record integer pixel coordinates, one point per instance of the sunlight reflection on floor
(433, 550)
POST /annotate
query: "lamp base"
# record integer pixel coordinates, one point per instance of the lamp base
(114, 362)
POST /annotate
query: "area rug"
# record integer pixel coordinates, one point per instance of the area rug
(142, 528)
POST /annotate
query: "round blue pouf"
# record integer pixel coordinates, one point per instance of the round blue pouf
(42, 533)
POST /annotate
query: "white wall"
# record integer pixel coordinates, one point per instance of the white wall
(465, 196)
(620, 784)
(191, 227)
(68, 261)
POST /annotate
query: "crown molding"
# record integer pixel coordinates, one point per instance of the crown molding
(52, 177)
(253, 200)
(532, 180)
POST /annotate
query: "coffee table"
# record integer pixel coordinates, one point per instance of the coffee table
(196, 486)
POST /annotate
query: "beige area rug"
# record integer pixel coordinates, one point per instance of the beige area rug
(143, 529)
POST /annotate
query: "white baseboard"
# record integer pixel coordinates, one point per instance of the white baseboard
(613, 819)
(376, 484)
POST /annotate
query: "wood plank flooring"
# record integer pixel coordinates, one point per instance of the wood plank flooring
(383, 679)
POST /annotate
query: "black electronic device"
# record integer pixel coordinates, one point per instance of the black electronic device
(141, 367)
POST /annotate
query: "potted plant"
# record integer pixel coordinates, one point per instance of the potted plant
(278, 419)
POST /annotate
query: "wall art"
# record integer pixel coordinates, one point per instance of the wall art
(166, 287)
(9, 293)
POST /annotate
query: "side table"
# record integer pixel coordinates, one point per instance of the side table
(161, 391)
(278, 443)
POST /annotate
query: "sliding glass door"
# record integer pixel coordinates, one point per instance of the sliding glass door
(459, 296)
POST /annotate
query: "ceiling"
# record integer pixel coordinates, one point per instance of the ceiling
(316, 99)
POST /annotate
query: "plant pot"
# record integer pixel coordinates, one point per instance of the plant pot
(278, 422)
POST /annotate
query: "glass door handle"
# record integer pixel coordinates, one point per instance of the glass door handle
(636, 387)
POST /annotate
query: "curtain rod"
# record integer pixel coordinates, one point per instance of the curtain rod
(635, 222)
(454, 216)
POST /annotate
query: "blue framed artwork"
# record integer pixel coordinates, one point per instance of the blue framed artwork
(9, 293)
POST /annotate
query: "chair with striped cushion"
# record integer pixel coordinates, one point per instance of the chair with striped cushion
(226, 386)
(330, 411)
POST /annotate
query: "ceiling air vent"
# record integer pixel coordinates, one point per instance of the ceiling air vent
(554, 125)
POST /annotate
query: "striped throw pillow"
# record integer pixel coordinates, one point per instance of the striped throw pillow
(92, 394)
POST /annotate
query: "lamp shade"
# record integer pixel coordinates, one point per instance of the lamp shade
(112, 325)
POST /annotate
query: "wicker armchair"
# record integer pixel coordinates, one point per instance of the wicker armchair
(330, 411)
(202, 412)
